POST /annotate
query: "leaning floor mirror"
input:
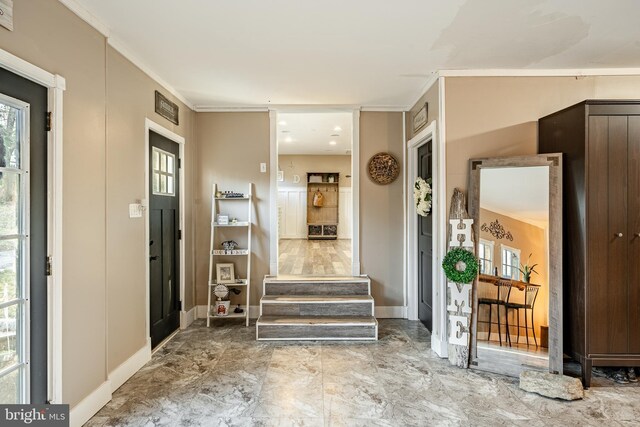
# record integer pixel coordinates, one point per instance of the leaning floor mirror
(516, 204)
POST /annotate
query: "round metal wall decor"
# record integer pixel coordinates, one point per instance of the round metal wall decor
(383, 168)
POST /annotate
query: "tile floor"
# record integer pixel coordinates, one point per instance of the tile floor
(222, 376)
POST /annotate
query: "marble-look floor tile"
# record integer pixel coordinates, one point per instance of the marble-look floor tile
(222, 376)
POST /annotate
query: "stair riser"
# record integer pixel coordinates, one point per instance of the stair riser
(316, 289)
(316, 332)
(317, 309)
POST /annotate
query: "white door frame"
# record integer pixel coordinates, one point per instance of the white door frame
(438, 212)
(273, 182)
(150, 125)
(56, 86)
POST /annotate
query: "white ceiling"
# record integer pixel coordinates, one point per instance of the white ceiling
(374, 53)
(312, 133)
(520, 193)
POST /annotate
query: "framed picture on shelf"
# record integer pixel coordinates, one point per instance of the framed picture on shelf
(225, 273)
(223, 219)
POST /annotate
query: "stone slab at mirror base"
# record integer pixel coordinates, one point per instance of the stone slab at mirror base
(505, 362)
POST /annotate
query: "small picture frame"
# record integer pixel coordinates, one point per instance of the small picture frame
(225, 273)
(223, 219)
(281, 176)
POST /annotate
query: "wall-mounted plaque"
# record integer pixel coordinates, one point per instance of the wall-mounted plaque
(166, 108)
(420, 118)
(6, 14)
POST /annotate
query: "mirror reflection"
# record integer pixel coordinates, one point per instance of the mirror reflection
(513, 250)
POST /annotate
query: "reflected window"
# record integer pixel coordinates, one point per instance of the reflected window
(485, 256)
(163, 172)
(510, 262)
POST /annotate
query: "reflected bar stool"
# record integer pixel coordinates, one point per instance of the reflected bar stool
(531, 293)
(503, 290)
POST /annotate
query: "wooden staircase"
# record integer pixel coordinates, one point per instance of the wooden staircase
(317, 308)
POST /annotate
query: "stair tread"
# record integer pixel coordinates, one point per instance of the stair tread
(316, 298)
(316, 279)
(317, 320)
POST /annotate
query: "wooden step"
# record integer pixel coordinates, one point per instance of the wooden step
(314, 285)
(317, 328)
(316, 305)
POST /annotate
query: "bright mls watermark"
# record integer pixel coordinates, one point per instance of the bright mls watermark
(34, 415)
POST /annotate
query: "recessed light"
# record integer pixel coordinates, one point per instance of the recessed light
(282, 123)
(332, 143)
(288, 139)
(337, 128)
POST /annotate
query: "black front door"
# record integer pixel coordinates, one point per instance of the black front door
(164, 248)
(23, 240)
(425, 244)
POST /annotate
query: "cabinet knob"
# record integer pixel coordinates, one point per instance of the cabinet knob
(637, 234)
(619, 234)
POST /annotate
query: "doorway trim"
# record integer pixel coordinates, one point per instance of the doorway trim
(56, 86)
(273, 182)
(150, 125)
(438, 340)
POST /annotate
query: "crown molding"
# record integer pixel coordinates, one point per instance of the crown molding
(431, 80)
(548, 72)
(295, 108)
(121, 47)
(86, 16)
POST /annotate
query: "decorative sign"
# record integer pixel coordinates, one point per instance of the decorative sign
(459, 294)
(420, 118)
(6, 14)
(383, 168)
(166, 108)
(497, 230)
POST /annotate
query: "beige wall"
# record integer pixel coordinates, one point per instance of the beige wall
(231, 147)
(300, 165)
(497, 116)
(381, 209)
(130, 98)
(530, 239)
(103, 278)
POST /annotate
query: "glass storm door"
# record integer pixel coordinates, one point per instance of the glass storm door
(14, 250)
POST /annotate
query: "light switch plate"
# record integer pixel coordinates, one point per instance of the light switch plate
(6, 14)
(263, 167)
(135, 210)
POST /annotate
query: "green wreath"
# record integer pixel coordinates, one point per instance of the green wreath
(450, 263)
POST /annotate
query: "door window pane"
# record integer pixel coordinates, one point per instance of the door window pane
(9, 136)
(164, 172)
(10, 387)
(9, 203)
(9, 270)
(9, 338)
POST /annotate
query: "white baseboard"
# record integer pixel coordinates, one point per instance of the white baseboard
(187, 318)
(90, 405)
(391, 312)
(201, 311)
(130, 366)
(439, 347)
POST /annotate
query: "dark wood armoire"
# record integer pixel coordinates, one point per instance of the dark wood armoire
(601, 206)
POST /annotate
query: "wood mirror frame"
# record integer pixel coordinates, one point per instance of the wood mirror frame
(554, 162)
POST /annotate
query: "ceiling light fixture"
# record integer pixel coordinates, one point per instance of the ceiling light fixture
(282, 123)
(332, 143)
(337, 128)
(288, 139)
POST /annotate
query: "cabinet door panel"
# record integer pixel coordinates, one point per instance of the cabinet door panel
(633, 230)
(607, 310)
(617, 286)
(597, 212)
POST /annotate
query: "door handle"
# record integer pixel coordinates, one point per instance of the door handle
(619, 234)
(153, 258)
